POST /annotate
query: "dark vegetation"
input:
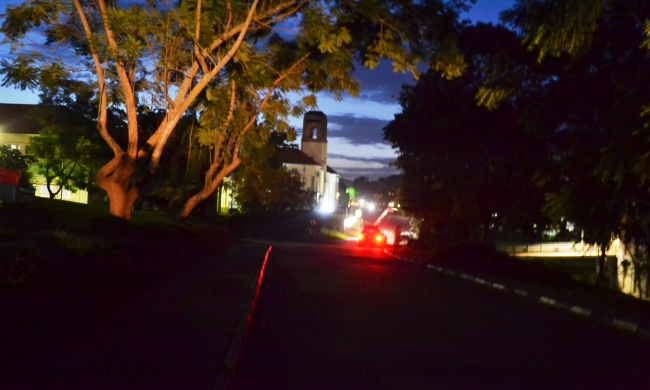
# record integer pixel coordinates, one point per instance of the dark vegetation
(547, 127)
(65, 267)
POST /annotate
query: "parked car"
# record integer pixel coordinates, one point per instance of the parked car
(371, 236)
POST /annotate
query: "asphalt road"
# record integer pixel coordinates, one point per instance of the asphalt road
(342, 317)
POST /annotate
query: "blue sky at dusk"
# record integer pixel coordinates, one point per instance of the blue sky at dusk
(355, 144)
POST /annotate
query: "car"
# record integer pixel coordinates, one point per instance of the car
(371, 236)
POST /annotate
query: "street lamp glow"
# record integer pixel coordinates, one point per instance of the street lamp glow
(326, 208)
(349, 221)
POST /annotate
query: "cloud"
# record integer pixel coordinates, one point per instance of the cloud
(371, 173)
(352, 161)
(356, 130)
(339, 146)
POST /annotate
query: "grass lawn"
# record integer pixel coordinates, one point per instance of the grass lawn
(579, 268)
(65, 267)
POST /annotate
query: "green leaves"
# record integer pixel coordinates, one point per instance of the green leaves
(63, 154)
(558, 26)
(12, 158)
(491, 97)
(331, 42)
(23, 71)
(646, 43)
(22, 18)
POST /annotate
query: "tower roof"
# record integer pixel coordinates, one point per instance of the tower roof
(295, 156)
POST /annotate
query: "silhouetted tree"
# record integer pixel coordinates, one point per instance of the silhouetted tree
(466, 168)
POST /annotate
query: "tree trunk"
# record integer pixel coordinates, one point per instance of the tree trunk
(212, 182)
(601, 263)
(115, 179)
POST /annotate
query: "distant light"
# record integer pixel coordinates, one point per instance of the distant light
(349, 221)
(358, 213)
(326, 208)
(391, 204)
(362, 202)
(371, 207)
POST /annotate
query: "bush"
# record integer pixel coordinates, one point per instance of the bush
(16, 270)
(73, 243)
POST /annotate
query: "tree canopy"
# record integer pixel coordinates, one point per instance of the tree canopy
(573, 77)
(465, 167)
(233, 62)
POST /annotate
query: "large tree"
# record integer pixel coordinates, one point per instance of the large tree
(465, 167)
(240, 58)
(590, 113)
(263, 184)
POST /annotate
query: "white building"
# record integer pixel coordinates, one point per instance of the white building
(310, 161)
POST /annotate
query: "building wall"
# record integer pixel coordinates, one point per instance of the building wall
(226, 202)
(310, 174)
(316, 150)
(330, 195)
(80, 196)
(21, 142)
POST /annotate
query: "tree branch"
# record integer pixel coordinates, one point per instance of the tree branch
(125, 82)
(101, 81)
(184, 99)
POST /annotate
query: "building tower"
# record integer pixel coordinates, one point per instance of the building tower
(314, 137)
(314, 145)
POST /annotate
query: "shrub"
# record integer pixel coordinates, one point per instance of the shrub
(73, 243)
(16, 270)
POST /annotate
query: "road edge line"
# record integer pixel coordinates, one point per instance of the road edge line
(618, 324)
(242, 331)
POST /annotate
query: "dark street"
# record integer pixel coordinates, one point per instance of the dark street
(347, 317)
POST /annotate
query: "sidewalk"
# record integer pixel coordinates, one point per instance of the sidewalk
(177, 335)
(607, 307)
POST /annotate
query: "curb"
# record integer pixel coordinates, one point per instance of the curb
(242, 331)
(619, 324)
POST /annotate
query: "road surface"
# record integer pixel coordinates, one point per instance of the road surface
(343, 317)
